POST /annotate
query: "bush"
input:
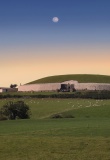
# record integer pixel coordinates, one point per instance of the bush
(57, 116)
(2, 117)
(14, 110)
(62, 116)
(69, 116)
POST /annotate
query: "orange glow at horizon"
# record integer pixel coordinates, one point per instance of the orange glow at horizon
(33, 64)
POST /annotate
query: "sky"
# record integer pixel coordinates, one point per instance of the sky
(32, 46)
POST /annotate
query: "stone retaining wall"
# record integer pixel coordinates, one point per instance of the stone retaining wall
(92, 86)
(40, 87)
(56, 86)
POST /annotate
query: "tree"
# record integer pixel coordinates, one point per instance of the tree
(13, 85)
(14, 110)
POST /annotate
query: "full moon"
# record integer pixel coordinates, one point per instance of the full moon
(55, 19)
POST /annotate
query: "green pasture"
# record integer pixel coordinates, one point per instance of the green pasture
(84, 137)
(44, 108)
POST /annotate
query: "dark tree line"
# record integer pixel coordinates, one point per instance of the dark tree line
(13, 85)
(77, 94)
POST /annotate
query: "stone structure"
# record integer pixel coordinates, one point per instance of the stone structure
(92, 86)
(57, 86)
(40, 87)
(6, 89)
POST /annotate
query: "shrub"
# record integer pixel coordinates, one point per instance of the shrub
(2, 117)
(57, 116)
(69, 116)
(62, 116)
(13, 110)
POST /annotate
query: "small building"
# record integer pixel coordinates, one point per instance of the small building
(6, 89)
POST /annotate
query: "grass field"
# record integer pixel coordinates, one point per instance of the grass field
(81, 78)
(84, 137)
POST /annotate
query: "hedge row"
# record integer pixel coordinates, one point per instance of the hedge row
(78, 94)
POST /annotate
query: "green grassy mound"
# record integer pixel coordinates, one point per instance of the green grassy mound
(82, 78)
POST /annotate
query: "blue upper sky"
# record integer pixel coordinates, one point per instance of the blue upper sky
(80, 21)
(38, 12)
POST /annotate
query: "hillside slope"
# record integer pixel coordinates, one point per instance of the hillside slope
(82, 78)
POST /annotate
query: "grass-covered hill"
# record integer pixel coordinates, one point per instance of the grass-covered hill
(82, 78)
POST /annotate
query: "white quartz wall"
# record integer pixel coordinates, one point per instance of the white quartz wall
(92, 86)
(55, 86)
(70, 82)
(40, 87)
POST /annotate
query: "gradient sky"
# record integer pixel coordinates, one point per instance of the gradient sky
(32, 46)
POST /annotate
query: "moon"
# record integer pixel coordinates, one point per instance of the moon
(55, 19)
